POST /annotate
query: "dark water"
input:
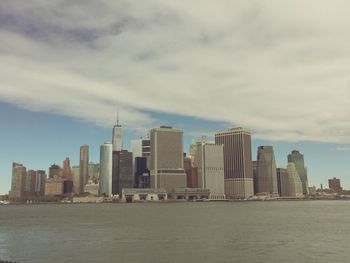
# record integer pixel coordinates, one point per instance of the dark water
(314, 231)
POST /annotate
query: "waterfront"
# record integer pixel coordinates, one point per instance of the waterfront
(289, 231)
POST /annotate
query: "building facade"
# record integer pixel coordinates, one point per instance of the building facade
(266, 171)
(105, 184)
(84, 167)
(334, 184)
(298, 159)
(238, 169)
(167, 158)
(117, 137)
(210, 164)
(18, 182)
(122, 176)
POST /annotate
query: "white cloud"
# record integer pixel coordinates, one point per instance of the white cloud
(277, 68)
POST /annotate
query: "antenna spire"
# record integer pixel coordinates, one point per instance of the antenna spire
(118, 117)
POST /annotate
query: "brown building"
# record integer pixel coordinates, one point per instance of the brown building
(191, 173)
(84, 167)
(18, 182)
(238, 170)
(55, 171)
(282, 182)
(67, 173)
(31, 178)
(334, 184)
(54, 186)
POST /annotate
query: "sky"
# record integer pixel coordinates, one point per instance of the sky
(278, 68)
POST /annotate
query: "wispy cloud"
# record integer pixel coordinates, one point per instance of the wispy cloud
(278, 68)
(343, 148)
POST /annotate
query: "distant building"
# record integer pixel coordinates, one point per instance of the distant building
(266, 171)
(298, 159)
(18, 183)
(67, 187)
(210, 163)
(289, 180)
(255, 176)
(84, 167)
(91, 188)
(191, 173)
(334, 184)
(238, 169)
(76, 179)
(105, 184)
(143, 194)
(167, 158)
(94, 172)
(54, 186)
(66, 173)
(117, 137)
(31, 178)
(122, 176)
(40, 183)
(55, 171)
(141, 172)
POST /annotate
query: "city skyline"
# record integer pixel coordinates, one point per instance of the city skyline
(278, 69)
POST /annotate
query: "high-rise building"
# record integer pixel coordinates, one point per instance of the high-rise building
(210, 163)
(105, 187)
(238, 169)
(18, 183)
(334, 184)
(191, 173)
(122, 176)
(84, 167)
(141, 172)
(76, 179)
(167, 158)
(31, 177)
(141, 151)
(117, 137)
(40, 183)
(66, 173)
(298, 159)
(289, 184)
(266, 171)
(255, 176)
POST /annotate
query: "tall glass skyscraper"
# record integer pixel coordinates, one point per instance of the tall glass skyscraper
(266, 171)
(298, 159)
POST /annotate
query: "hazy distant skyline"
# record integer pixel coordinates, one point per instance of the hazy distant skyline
(277, 68)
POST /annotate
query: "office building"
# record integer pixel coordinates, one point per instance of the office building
(75, 170)
(122, 176)
(84, 167)
(238, 169)
(66, 173)
(289, 180)
(94, 172)
(266, 171)
(54, 186)
(31, 178)
(105, 182)
(40, 183)
(167, 158)
(334, 184)
(117, 137)
(298, 159)
(210, 163)
(191, 173)
(18, 182)
(142, 173)
(255, 176)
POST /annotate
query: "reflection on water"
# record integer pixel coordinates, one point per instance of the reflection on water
(176, 232)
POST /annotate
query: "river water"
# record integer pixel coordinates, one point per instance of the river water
(284, 231)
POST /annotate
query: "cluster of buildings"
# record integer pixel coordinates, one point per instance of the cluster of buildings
(157, 168)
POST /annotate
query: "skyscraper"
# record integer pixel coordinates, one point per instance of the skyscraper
(295, 186)
(40, 183)
(210, 163)
(66, 174)
(298, 159)
(167, 158)
(117, 137)
(84, 167)
(30, 183)
(105, 187)
(238, 169)
(266, 171)
(76, 179)
(18, 183)
(122, 176)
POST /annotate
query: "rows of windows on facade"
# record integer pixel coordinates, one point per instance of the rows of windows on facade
(158, 168)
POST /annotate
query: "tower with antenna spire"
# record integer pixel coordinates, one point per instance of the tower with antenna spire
(117, 136)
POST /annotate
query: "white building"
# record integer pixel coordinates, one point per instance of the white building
(105, 186)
